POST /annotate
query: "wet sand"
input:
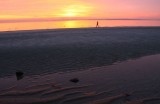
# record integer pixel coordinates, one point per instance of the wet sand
(133, 81)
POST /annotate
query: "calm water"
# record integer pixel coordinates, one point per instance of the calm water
(74, 24)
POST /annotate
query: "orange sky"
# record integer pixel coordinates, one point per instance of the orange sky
(19, 9)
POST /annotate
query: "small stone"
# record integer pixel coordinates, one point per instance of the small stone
(74, 80)
(19, 75)
(127, 95)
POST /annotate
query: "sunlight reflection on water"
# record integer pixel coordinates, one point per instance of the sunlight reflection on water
(74, 24)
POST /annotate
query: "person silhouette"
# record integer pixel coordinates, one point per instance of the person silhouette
(97, 25)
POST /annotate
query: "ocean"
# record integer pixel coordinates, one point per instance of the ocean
(34, 25)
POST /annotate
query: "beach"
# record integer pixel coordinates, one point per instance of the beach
(114, 65)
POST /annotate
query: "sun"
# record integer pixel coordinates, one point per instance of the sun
(75, 11)
(71, 12)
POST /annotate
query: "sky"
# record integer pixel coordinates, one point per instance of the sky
(29, 9)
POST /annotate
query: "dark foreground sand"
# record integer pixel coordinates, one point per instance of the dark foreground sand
(129, 82)
(117, 65)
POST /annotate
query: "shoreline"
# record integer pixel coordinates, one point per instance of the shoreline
(58, 29)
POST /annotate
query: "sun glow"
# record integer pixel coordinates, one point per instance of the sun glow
(78, 9)
(75, 11)
(13, 17)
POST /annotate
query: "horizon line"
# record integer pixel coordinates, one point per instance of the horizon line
(68, 19)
